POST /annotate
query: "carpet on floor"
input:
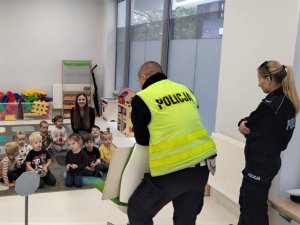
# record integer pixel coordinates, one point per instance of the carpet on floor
(58, 172)
(57, 167)
(60, 159)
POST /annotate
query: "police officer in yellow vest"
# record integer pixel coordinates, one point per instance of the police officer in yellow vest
(165, 118)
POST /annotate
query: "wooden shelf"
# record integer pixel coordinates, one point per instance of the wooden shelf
(69, 98)
(67, 115)
(72, 93)
(73, 70)
(124, 123)
(68, 106)
(286, 206)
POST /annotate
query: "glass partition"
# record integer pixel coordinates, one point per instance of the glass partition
(120, 55)
(145, 35)
(196, 29)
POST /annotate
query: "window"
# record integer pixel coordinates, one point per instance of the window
(120, 55)
(195, 50)
(192, 35)
(145, 36)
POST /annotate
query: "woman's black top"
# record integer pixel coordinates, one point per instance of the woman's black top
(80, 127)
(272, 125)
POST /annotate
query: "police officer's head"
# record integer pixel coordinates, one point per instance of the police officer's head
(272, 75)
(147, 70)
(274, 70)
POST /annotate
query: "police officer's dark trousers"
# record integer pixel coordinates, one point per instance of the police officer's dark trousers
(185, 188)
(255, 190)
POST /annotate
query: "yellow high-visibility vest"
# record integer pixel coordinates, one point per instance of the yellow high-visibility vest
(178, 138)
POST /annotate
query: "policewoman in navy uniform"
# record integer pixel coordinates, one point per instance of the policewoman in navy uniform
(165, 117)
(268, 131)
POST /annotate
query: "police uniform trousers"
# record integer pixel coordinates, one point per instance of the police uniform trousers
(257, 179)
(184, 188)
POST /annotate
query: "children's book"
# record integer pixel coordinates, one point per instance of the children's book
(137, 165)
(113, 179)
(126, 170)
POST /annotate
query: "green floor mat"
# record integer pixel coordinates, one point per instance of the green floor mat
(89, 179)
(100, 187)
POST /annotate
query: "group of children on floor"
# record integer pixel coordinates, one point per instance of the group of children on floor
(87, 155)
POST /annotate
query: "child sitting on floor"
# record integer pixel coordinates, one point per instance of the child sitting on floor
(24, 148)
(38, 160)
(76, 160)
(94, 166)
(59, 135)
(97, 136)
(46, 137)
(9, 172)
(107, 148)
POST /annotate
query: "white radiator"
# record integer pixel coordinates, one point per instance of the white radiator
(57, 96)
(58, 92)
(230, 163)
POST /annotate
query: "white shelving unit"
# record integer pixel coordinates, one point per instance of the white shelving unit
(109, 107)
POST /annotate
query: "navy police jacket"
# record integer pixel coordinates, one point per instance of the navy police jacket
(272, 125)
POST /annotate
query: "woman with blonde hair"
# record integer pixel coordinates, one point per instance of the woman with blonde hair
(268, 131)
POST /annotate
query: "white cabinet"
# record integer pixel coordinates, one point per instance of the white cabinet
(109, 107)
(277, 218)
(284, 212)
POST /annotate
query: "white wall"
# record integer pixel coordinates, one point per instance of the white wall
(36, 35)
(255, 31)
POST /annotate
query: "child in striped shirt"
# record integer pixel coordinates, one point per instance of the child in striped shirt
(8, 165)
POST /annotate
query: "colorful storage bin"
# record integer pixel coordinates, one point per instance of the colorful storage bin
(37, 110)
(9, 111)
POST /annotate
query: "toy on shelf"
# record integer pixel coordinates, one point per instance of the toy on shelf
(37, 110)
(9, 105)
(124, 123)
(1, 96)
(11, 97)
(40, 108)
(31, 92)
(36, 105)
